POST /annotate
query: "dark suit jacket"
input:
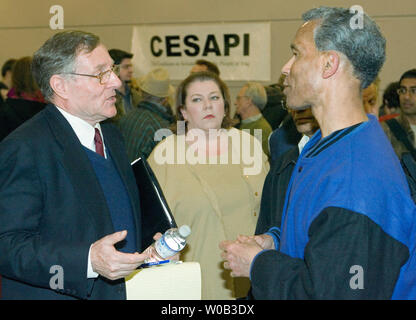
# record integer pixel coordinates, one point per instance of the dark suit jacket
(274, 191)
(52, 208)
(274, 194)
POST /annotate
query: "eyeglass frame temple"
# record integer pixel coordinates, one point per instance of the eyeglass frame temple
(98, 76)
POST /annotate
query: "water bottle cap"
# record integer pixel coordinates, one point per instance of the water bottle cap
(184, 231)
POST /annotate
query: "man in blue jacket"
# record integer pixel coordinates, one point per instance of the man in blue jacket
(348, 221)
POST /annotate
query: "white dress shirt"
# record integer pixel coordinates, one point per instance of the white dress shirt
(303, 142)
(85, 133)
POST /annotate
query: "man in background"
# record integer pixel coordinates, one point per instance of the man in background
(205, 65)
(250, 102)
(370, 97)
(277, 180)
(153, 113)
(401, 130)
(274, 110)
(127, 97)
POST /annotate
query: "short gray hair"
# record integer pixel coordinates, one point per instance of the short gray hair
(57, 56)
(256, 92)
(364, 47)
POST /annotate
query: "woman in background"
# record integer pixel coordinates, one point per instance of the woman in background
(24, 99)
(212, 176)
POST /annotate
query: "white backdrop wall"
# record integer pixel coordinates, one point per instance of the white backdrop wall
(24, 25)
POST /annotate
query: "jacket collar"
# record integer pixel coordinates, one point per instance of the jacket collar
(162, 111)
(80, 171)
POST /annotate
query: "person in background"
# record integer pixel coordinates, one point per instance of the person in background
(277, 180)
(127, 96)
(6, 82)
(348, 222)
(153, 113)
(69, 202)
(283, 138)
(24, 99)
(370, 97)
(205, 65)
(401, 130)
(249, 104)
(208, 179)
(390, 107)
(274, 111)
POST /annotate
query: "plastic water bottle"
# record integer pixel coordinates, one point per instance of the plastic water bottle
(173, 241)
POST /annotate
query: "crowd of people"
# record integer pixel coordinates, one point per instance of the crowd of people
(286, 198)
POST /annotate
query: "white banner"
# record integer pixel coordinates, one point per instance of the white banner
(240, 50)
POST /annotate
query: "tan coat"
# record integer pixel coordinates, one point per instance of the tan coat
(218, 202)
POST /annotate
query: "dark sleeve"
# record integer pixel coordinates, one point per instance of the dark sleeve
(283, 138)
(8, 120)
(348, 256)
(3, 125)
(27, 255)
(274, 191)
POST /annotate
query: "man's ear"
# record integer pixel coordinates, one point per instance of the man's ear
(331, 62)
(59, 86)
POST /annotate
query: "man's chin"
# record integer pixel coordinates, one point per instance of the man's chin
(112, 112)
(408, 110)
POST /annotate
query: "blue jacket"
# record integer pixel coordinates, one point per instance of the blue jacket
(347, 205)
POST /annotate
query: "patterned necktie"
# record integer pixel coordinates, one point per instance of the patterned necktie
(99, 147)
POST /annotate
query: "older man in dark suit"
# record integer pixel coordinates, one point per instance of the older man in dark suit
(69, 207)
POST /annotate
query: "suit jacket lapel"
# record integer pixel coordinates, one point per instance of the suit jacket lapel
(80, 172)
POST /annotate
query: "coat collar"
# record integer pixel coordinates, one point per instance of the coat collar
(80, 172)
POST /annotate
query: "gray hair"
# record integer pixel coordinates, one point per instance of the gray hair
(364, 47)
(57, 56)
(256, 92)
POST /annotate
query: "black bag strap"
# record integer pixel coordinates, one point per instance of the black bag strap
(401, 135)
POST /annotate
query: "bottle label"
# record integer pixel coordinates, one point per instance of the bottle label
(163, 249)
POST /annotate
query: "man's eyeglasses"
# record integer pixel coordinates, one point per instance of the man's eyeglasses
(403, 90)
(103, 76)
